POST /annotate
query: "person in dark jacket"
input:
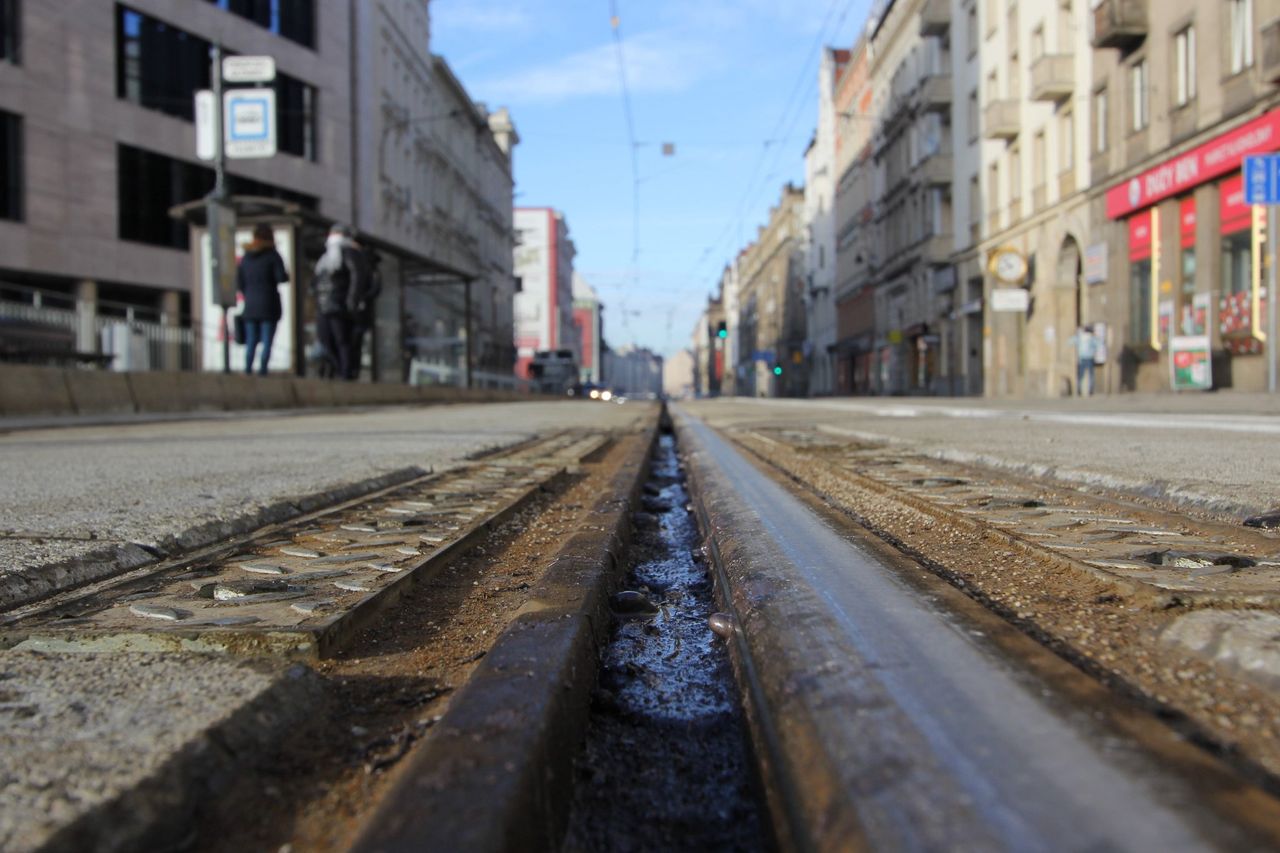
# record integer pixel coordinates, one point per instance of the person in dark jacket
(337, 285)
(362, 320)
(258, 277)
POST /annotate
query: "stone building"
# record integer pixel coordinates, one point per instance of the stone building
(1179, 93)
(1035, 71)
(588, 318)
(97, 122)
(855, 357)
(820, 230)
(771, 316)
(102, 220)
(910, 70)
(544, 304)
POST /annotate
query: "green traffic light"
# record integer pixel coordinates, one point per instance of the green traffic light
(722, 333)
(777, 371)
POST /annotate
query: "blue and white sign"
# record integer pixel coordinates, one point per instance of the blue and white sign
(1262, 179)
(249, 119)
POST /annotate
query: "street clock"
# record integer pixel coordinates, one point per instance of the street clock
(1008, 265)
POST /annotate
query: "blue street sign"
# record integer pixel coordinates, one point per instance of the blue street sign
(1262, 179)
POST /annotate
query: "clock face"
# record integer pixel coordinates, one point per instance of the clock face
(1010, 266)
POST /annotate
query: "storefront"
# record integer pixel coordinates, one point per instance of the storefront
(1192, 263)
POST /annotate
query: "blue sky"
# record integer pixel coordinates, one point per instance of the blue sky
(731, 83)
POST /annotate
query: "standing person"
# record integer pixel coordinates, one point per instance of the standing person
(1086, 344)
(336, 286)
(363, 319)
(258, 277)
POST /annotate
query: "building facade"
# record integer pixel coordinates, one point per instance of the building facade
(544, 266)
(1035, 70)
(634, 371)
(911, 154)
(820, 230)
(855, 357)
(588, 319)
(1180, 93)
(97, 117)
(771, 315)
(103, 188)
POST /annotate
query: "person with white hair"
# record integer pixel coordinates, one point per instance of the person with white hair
(338, 287)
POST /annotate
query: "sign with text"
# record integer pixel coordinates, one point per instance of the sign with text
(206, 119)
(1190, 359)
(249, 119)
(249, 69)
(1214, 158)
(1010, 299)
(1262, 179)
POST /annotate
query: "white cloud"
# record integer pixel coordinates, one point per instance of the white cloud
(655, 62)
(486, 16)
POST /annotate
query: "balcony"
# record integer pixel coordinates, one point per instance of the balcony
(1119, 23)
(935, 93)
(936, 170)
(935, 18)
(1000, 120)
(1271, 52)
(1053, 78)
(937, 249)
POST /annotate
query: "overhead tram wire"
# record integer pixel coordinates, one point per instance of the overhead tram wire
(615, 22)
(793, 102)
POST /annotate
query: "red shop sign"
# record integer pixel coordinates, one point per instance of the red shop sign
(1140, 236)
(1187, 221)
(1214, 158)
(1233, 213)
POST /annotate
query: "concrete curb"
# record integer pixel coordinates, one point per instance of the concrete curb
(69, 804)
(496, 772)
(32, 391)
(31, 583)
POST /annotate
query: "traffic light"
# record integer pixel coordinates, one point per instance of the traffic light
(777, 370)
(721, 331)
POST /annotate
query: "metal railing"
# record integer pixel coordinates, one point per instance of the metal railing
(113, 334)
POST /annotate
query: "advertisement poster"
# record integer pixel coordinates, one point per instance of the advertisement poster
(1191, 362)
(211, 328)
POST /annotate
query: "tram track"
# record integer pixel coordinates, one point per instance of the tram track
(895, 690)
(1144, 598)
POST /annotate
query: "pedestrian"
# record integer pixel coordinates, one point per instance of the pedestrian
(363, 320)
(1086, 346)
(336, 286)
(258, 278)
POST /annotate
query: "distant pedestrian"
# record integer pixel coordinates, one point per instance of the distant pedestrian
(258, 277)
(1086, 346)
(363, 320)
(336, 286)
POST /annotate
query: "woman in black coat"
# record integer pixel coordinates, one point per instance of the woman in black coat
(259, 276)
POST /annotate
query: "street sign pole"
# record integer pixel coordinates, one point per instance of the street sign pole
(215, 198)
(1273, 213)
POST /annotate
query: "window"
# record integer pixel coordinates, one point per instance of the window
(1100, 121)
(158, 65)
(1138, 95)
(975, 207)
(1184, 66)
(973, 117)
(161, 67)
(973, 28)
(11, 166)
(1237, 263)
(291, 19)
(1187, 294)
(1240, 34)
(993, 189)
(1037, 42)
(295, 116)
(1015, 180)
(1140, 302)
(1067, 141)
(10, 33)
(149, 184)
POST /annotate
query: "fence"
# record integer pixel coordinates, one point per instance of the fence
(47, 325)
